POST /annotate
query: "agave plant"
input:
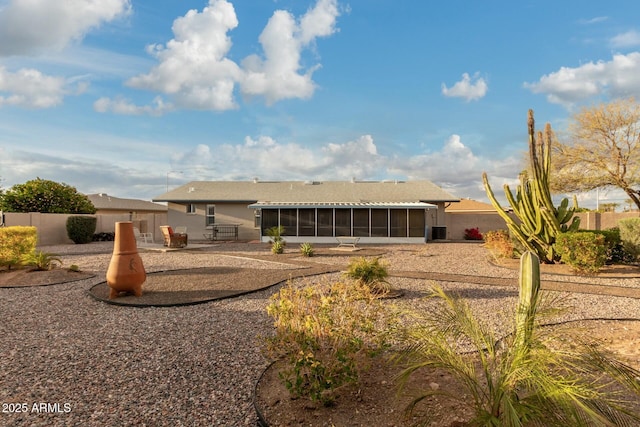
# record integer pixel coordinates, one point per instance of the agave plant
(530, 378)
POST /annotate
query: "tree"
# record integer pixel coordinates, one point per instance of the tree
(41, 195)
(602, 149)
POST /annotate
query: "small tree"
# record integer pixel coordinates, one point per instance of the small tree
(41, 195)
(602, 150)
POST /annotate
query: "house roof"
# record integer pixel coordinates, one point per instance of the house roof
(103, 201)
(308, 192)
(468, 205)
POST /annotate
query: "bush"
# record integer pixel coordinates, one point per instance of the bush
(472, 234)
(104, 237)
(630, 236)
(586, 253)
(499, 243)
(42, 261)
(306, 249)
(616, 254)
(16, 243)
(277, 241)
(324, 332)
(80, 229)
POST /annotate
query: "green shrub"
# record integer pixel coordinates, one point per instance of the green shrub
(75, 268)
(616, 254)
(370, 272)
(586, 253)
(630, 236)
(15, 243)
(499, 243)
(325, 332)
(42, 261)
(80, 229)
(306, 249)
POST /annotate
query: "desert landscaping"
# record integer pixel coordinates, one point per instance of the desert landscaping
(197, 362)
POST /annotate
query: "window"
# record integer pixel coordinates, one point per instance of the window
(289, 220)
(269, 219)
(361, 222)
(191, 208)
(325, 222)
(306, 222)
(343, 222)
(210, 217)
(379, 223)
(416, 223)
(398, 223)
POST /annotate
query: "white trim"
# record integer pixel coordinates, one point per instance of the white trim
(310, 205)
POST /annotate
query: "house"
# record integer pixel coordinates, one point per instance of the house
(309, 211)
(145, 215)
(106, 204)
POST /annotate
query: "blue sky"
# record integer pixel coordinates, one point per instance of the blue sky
(126, 97)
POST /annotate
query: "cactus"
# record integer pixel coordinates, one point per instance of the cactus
(529, 286)
(540, 221)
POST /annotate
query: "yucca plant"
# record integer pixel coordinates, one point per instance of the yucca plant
(306, 249)
(42, 261)
(530, 378)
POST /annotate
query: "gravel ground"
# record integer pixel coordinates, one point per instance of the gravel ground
(69, 360)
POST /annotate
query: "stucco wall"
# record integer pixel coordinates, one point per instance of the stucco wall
(225, 213)
(457, 222)
(52, 228)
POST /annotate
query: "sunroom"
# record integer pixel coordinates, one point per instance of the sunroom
(371, 222)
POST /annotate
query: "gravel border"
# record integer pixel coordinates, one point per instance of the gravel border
(74, 361)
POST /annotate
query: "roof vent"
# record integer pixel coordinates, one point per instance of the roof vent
(255, 179)
(192, 189)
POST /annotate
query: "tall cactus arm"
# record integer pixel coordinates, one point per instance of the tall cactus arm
(529, 288)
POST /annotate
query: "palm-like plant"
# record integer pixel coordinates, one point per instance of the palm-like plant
(42, 261)
(529, 378)
(277, 241)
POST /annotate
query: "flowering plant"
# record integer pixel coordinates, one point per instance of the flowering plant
(472, 234)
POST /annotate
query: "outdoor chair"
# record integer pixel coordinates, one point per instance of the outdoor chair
(172, 239)
(142, 237)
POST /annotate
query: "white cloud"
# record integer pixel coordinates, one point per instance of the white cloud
(454, 166)
(34, 26)
(629, 39)
(567, 86)
(195, 72)
(193, 68)
(595, 20)
(278, 75)
(124, 106)
(30, 88)
(466, 88)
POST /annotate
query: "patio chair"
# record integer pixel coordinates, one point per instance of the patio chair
(172, 239)
(142, 237)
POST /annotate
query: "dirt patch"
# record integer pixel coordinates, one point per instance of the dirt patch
(26, 277)
(376, 401)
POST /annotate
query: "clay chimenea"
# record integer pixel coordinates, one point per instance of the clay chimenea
(126, 272)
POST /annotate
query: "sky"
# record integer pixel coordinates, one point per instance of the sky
(135, 97)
